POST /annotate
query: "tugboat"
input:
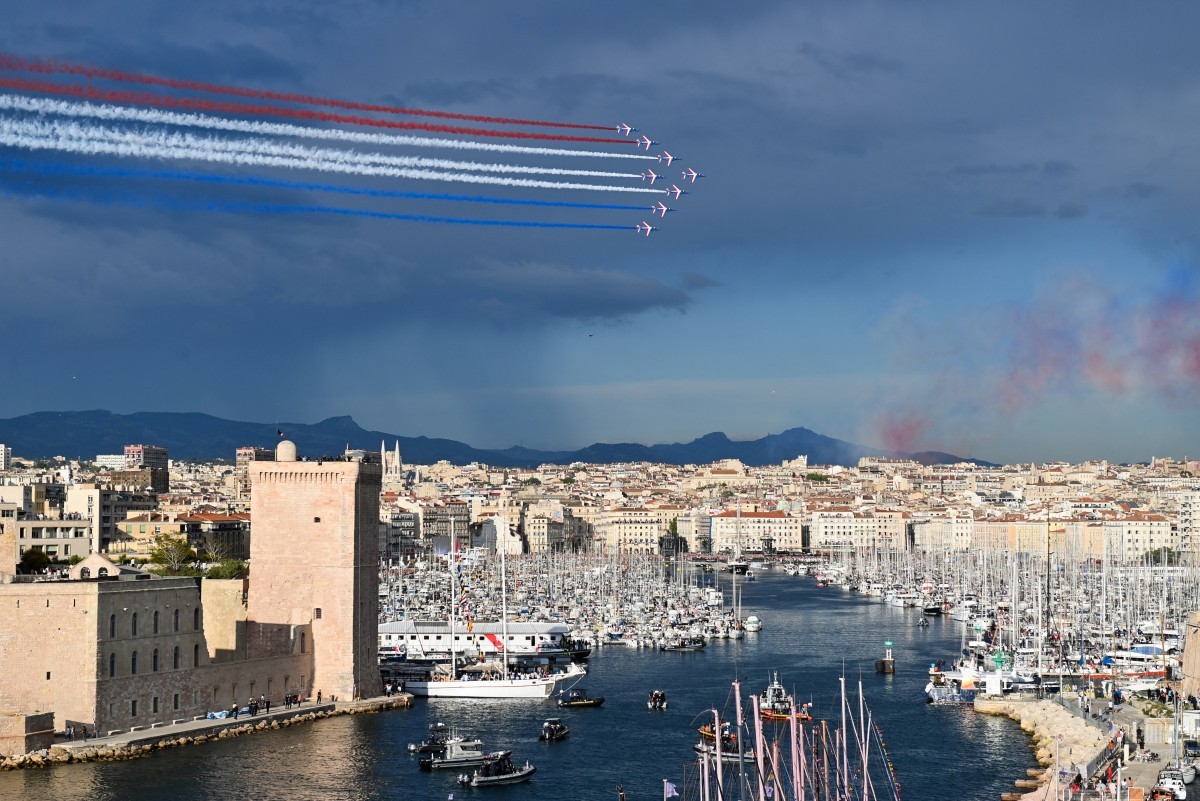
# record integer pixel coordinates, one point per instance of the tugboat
(498, 771)
(657, 700)
(775, 704)
(553, 729)
(578, 697)
(461, 753)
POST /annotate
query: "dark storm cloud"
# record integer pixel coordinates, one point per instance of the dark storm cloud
(511, 293)
(696, 281)
(453, 92)
(1017, 207)
(1070, 211)
(849, 65)
(839, 138)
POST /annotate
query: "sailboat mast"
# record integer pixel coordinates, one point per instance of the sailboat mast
(453, 563)
(504, 608)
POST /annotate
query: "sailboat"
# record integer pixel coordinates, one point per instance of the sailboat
(484, 683)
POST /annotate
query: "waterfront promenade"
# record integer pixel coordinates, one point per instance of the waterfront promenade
(142, 740)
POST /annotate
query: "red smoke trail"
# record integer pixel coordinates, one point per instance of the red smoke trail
(15, 64)
(899, 430)
(196, 104)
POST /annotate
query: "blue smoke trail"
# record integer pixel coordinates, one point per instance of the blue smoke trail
(58, 168)
(159, 200)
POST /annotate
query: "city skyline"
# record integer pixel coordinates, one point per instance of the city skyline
(922, 228)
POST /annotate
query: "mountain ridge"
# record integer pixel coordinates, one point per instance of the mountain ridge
(197, 435)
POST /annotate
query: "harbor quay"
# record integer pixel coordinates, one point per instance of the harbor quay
(141, 742)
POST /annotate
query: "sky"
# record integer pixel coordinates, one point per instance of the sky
(926, 225)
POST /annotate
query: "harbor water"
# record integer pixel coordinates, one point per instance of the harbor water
(812, 637)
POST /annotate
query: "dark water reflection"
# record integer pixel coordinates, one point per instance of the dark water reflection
(812, 637)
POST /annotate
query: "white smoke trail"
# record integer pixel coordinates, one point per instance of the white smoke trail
(75, 139)
(269, 148)
(156, 116)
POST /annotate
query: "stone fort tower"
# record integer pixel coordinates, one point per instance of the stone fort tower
(314, 568)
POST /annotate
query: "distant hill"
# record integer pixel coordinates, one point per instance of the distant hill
(192, 435)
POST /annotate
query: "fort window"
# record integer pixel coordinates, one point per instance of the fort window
(196, 619)
(112, 665)
(176, 620)
(316, 520)
(156, 621)
(47, 675)
(176, 701)
(133, 708)
(133, 625)
(85, 572)
(175, 659)
(112, 626)
(154, 705)
(303, 642)
(102, 572)
(316, 612)
(133, 664)
(154, 667)
(196, 655)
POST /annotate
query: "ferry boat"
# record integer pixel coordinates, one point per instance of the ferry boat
(531, 643)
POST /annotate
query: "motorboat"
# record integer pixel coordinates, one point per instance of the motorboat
(657, 700)
(578, 697)
(727, 754)
(435, 743)
(461, 753)
(753, 623)
(683, 644)
(774, 703)
(498, 771)
(553, 729)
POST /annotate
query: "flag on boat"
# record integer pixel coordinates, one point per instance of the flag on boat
(669, 789)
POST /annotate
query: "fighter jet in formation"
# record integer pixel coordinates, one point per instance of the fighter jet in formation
(646, 142)
(667, 157)
(645, 228)
(675, 192)
(660, 209)
(625, 130)
(692, 175)
(651, 176)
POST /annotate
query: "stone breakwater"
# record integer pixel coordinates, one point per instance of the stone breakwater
(201, 732)
(1054, 732)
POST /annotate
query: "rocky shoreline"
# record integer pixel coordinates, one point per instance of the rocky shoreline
(1054, 732)
(102, 751)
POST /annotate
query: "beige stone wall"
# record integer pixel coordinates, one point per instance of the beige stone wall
(21, 733)
(225, 614)
(314, 569)
(48, 650)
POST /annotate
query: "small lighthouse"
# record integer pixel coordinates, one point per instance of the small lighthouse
(887, 664)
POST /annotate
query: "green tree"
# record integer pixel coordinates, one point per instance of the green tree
(568, 479)
(227, 569)
(34, 560)
(817, 477)
(532, 481)
(171, 552)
